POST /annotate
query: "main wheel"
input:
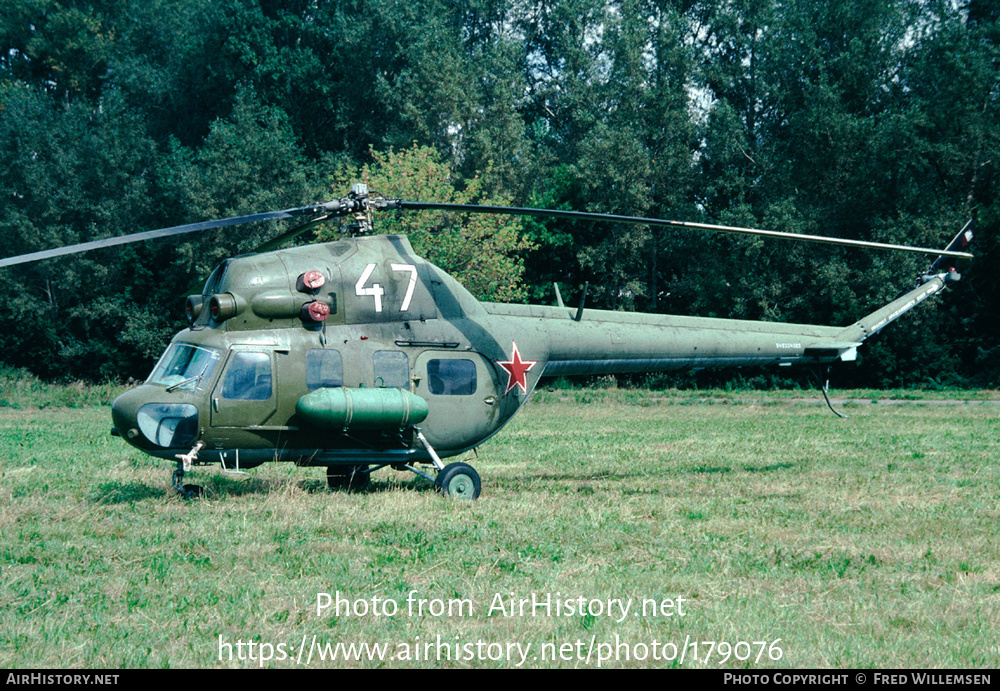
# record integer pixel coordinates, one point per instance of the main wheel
(352, 479)
(459, 480)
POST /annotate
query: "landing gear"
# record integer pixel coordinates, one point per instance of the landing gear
(186, 491)
(352, 479)
(459, 480)
(184, 463)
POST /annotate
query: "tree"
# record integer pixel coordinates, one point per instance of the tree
(69, 173)
(610, 83)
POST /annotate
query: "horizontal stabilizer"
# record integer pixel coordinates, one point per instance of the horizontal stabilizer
(845, 351)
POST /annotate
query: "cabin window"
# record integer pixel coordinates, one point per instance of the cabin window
(324, 369)
(392, 369)
(248, 377)
(451, 377)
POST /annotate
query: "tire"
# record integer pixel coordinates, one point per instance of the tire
(459, 480)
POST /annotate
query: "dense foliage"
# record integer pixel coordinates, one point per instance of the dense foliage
(870, 119)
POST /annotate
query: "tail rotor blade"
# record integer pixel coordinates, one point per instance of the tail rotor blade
(959, 242)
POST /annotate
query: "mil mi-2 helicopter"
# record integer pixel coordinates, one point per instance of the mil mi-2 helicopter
(356, 354)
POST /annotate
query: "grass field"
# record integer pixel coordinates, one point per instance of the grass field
(785, 536)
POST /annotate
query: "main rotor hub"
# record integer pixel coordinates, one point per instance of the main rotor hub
(362, 218)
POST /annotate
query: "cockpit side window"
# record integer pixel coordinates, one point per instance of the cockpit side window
(248, 377)
(324, 369)
(185, 366)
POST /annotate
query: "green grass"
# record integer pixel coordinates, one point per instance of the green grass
(867, 542)
(19, 389)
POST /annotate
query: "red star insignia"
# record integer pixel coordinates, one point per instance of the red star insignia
(516, 368)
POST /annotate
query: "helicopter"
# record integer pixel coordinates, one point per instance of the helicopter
(358, 355)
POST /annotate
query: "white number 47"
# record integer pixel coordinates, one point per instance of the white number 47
(376, 291)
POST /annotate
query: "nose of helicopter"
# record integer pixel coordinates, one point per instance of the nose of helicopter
(150, 425)
(123, 416)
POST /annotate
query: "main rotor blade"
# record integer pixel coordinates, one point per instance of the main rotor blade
(288, 235)
(586, 216)
(332, 207)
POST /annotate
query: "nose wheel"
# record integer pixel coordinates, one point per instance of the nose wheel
(185, 461)
(186, 491)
